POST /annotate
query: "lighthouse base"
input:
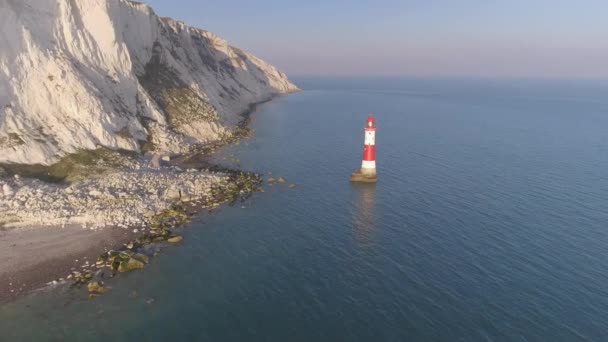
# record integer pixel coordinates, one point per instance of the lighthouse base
(357, 176)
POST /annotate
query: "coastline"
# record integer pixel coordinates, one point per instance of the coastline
(34, 257)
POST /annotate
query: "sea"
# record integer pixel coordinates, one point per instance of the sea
(489, 222)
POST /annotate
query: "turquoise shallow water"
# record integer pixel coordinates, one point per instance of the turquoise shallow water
(489, 222)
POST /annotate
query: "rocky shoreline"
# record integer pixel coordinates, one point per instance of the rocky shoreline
(99, 201)
(113, 214)
(134, 210)
(103, 148)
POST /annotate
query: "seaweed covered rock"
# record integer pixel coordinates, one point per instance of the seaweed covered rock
(81, 278)
(175, 215)
(141, 257)
(95, 288)
(175, 239)
(130, 265)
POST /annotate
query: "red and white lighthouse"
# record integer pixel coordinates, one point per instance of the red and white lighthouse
(368, 166)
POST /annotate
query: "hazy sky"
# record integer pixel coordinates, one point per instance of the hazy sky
(487, 38)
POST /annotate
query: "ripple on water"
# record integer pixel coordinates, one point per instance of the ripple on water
(488, 222)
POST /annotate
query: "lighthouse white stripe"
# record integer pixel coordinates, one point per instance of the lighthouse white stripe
(370, 138)
(368, 164)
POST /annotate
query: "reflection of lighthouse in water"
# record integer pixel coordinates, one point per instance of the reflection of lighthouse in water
(364, 220)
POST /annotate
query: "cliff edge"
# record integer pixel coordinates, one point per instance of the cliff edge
(80, 75)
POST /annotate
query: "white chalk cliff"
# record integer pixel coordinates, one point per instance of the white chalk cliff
(83, 74)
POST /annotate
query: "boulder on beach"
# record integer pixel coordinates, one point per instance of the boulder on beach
(175, 239)
(130, 265)
(95, 288)
(173, 193)
(7, 190)
(95, 193)
(141, 257)
(155, 161)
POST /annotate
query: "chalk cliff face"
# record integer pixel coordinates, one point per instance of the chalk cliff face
(111, 73)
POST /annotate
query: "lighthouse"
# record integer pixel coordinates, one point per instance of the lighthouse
(367, 173)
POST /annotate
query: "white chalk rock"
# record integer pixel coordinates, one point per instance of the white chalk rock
(95, 193)
(91, 85)
(7, 191)
(155, 161)
(172, 193)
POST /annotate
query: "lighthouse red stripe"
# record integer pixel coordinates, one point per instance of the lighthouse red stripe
(369, 152)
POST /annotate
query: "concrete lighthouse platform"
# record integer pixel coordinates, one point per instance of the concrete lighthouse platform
(358, 176)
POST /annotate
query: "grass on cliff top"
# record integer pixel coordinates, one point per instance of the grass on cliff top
(72, 167)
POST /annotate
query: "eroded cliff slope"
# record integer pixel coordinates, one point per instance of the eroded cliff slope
(111, 73)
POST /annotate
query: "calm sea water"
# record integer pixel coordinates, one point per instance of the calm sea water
(489, 222)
